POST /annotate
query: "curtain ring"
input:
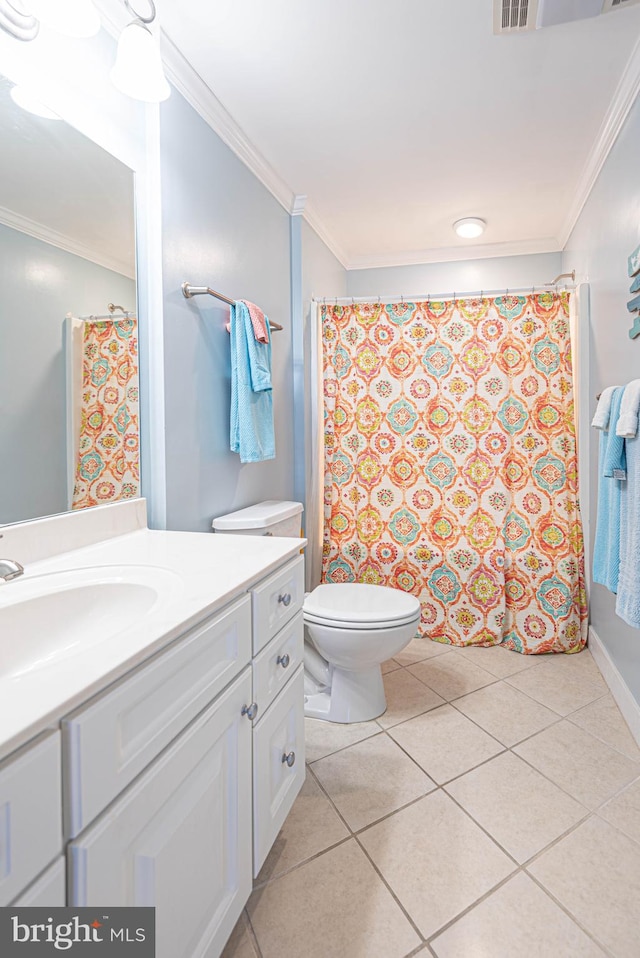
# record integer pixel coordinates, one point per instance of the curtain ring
(481, 297)
(402, 299)
(148, 19)
(428, 299)
(353, 302)
(324, 301)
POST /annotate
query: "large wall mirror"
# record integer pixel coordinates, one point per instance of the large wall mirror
(69, 424)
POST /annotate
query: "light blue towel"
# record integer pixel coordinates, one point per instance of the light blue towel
(252, 433)
(606, 551)
(628, 601)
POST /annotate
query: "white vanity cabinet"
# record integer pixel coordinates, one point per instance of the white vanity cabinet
(178, 778)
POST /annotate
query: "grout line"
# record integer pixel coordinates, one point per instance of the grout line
(571, 916)
(252, 935)
(390, 890)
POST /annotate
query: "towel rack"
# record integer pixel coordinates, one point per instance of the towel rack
(188, 291)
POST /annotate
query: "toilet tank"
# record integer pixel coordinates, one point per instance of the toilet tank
(270, 518)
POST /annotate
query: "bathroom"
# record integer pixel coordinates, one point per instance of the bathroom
(421, 831)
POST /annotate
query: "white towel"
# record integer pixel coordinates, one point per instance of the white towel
(629, 410)
(601, 418)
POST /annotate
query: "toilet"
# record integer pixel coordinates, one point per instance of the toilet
(350, 628)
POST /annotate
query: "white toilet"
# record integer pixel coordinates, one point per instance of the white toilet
(350, 628)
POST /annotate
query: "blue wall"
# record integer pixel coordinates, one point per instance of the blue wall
(607, 231)
(496, 272)
(220, 228)
(39, 285)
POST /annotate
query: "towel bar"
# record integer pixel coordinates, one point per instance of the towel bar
(188, 291)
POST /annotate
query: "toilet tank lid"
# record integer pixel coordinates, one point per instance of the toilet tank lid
(259, 516)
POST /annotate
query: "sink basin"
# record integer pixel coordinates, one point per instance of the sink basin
(50, 619)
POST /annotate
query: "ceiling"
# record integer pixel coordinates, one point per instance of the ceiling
(59, 186)
(396, 118)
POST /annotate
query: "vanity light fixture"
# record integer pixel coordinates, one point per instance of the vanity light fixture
(17, 21)
(74, 18)
(29, 102)
(138, 71)
(471, 227)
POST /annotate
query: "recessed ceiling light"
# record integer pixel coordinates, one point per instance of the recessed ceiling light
(470, 227)
(26, 99)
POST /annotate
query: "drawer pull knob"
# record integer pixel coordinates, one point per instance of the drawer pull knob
(285, 599)
(250, 710)
(289, 759)
(283, 660)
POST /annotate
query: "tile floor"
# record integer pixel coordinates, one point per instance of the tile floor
(493, 811)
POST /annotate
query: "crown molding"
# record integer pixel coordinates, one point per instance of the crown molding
(455, 254)
(46, 235)
(619, 109)
(298, 205)
(193, 88)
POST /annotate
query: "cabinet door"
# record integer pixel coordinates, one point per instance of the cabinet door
(48, 891)
(30, 814)
(278, 766)
(179, 838)
(113, 739)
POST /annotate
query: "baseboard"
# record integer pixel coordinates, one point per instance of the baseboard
(618, 687)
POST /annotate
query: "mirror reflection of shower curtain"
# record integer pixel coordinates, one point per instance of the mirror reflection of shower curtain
(102, 411)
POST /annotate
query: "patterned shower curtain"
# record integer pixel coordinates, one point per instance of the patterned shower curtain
(108, 466)
(451, 468)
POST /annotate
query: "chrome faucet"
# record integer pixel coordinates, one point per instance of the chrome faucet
(10, 569)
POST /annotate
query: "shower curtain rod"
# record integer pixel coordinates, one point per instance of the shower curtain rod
(126, 313)
(439, 297)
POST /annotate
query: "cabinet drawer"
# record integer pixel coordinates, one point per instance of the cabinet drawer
(278, 735)
(108, 744)
(275, 665)
(276, 601)
(30, 815)
(48, 891)
(178, 837)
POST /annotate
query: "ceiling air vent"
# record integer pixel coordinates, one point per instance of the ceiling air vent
(516, 16)
(513, 16)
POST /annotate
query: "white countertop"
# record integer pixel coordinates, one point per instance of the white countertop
(206, 572)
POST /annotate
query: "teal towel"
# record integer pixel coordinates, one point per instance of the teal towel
(606, 551)
(628, 600)
(252, 433)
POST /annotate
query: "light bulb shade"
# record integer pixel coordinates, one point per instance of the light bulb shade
(74, 18)
(471, 227)
(29, 102)
(138, 71)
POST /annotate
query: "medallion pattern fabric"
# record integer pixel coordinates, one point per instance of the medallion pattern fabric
(108, 466)
(451, 468)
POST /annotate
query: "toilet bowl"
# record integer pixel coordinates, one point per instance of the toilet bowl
(350, 630)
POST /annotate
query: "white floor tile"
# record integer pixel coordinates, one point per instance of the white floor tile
(516, 921)
(436, 860)
(582, 765)
(371, 779)
(520, 808)
(406, 697)
(595, 873)
(504, 712)
(333, 906)
(445, 743)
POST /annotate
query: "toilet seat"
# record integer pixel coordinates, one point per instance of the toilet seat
(360, 606)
